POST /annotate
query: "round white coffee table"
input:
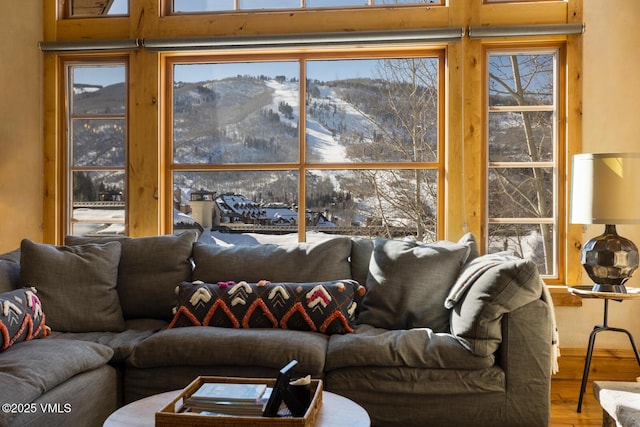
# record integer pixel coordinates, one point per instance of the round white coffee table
(336, 411)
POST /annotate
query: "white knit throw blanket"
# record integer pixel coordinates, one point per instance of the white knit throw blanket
(555, 339)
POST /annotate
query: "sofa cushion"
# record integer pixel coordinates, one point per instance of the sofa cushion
(326, 307)
(150, 270)
(415, 348)
(21, 317)
(408, 283)
(30, 369)
(76, 284)
(298, 262)
(122, 343)
(212, 346)
(9, 270)
(476, 318)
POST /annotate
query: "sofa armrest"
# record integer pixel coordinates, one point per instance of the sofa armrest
(476, 319)
(525, 356)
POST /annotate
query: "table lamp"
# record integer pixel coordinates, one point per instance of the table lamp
(605, 189)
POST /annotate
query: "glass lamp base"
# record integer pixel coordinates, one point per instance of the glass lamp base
(617, 289)
(609, 260)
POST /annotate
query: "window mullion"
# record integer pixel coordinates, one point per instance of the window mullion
(521, 108)
(302, 150)
(522, 165)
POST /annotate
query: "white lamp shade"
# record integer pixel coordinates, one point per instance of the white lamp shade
(605, 188)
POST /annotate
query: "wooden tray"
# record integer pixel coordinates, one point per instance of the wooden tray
(174, 415)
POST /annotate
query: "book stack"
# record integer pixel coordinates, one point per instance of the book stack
(229, 399)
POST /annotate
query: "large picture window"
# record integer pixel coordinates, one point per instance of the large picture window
(97, 148)
(523, 148)
(299, 144)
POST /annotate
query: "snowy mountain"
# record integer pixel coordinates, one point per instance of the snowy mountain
(254, 120)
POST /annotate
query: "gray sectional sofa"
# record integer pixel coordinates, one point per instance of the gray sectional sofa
(441, 337)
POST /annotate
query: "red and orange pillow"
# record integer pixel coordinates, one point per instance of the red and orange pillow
(21, 317)
(326, 307)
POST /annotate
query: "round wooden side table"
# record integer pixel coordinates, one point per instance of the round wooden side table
(587, 292)
(336, 411)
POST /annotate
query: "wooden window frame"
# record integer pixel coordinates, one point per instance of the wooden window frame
(147, 213)
(559, 110)
(68, 117)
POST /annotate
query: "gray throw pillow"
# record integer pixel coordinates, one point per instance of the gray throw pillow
(150, 270)
(76, 284)
(9, 270)
(476, 318)
(361, 250)
(298, 262)
(408, 283)
(470, 240)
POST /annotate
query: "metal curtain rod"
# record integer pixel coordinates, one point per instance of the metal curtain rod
(525, 30)
(301, 40)
(432, 35)
(90, 45)
(427, 35)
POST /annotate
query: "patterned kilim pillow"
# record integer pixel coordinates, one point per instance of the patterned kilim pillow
(326, 307)
(21, 317)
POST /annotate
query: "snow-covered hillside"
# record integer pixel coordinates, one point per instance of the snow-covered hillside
(231, 112)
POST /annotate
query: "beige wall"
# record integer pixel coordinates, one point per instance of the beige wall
(20, 125)
(611, 94)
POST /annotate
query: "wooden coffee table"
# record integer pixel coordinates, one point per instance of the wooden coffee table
(336, 411)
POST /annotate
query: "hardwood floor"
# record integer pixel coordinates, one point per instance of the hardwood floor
(564, 401)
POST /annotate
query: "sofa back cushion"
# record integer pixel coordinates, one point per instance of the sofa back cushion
(76, 284)
(10, 270)
(298, 262)
(502, 288)
(469, 239)
(361, 250)
(150, 269)
(408, 283)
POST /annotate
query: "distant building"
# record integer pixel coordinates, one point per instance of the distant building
(238, 208)
(208, 210)
(202, 195)
(204, 209)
